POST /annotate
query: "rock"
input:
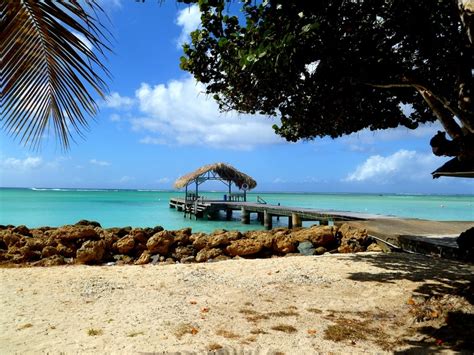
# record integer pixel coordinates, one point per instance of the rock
(144, 258)
(85, 222)
(120, 232)
(320, 251)
(353, 239)
(22, 230)
(155, 259)
(466, 240)
(90, 252)
(218, 240)
(374, 247)
(244, 247)
(318, 235)
(125, 245)
(74, 233)
(284, 244)
(66, 250)
(36, 243)
(206, 254)
(140, 235)
(188, 259)
(306, 248)
(54, 260)
(199, 240)
(221, 257)
(123, 259)
(181, 237)
(10, 238)
(183, 252)
(160, 242)
(49, 251)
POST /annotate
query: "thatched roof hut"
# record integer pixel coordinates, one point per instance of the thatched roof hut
(217, 171)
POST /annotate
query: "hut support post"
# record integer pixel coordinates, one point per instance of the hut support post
(267, 219)
(296, 219)
(228, 214)
(245, 216)
(290, 222)
(260, 217)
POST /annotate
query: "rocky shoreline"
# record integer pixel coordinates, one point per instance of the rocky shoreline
(87, 242)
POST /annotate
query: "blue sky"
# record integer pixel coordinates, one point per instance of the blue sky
(158, 125)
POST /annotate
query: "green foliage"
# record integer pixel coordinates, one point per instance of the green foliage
(335, 67)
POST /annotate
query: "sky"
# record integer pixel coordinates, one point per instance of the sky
(157, 125)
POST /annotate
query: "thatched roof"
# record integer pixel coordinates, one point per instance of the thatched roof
(455, 168)
(224, 171)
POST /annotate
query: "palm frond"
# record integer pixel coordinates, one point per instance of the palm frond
(48, 75)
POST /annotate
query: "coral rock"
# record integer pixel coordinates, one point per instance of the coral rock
(244, 247)
(125, 245)
(144, 258)
(90, 252)
(160, 242)
(206, 254)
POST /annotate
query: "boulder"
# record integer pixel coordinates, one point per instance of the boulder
(181, 237)
(66, 250)
(160, 242)
(199, 240)
(320, 250)
(22, 230)
(141, 235)
(49, 251)
(266, 238)
(374, 247)
(125, 245)
(353, 240)
(318, 235)
(144, 258)
(54, 260)
(10, 238)
(120, 232)
(284, 244)
(206, 254)
(465, 240)
(85, 222)
(75, 232)
(90, 252)
(183, 252)
(218, 240)
(36, 243)
(306, 248)
(244, 247)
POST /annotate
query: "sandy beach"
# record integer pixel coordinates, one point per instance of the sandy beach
(366, 302)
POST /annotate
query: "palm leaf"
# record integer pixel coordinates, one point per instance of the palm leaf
(48, 75)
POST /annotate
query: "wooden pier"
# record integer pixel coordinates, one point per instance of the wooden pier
(202, 208)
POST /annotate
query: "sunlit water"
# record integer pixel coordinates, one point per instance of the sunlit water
(54, 207)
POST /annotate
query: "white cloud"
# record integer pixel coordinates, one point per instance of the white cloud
(84, 40)
(22, 164)
(163, 180)
(189, 19)
(125, 179)
(180, 113)
(402, 165)
(114, 100)
(115, 118)
(99, 162)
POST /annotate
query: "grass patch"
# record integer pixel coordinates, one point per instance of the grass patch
(290, 313)
(213, 347)
(227, 334)
(258, 331)
(134, 334)
(285, 328)
(355, 330)
(314, 310)
(24, 326)
(94, 332)
(185, 328)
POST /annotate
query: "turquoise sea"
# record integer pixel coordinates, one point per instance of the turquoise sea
(54, 207)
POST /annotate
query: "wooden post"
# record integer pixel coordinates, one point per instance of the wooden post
(245, 216)
(260, 217)
(228, 214)
(267, 219)
(323, 222)
(290, 222)
(296, 219)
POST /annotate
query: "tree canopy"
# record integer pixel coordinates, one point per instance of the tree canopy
(334, 67)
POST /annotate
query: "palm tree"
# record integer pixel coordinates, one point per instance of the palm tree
(51, 55)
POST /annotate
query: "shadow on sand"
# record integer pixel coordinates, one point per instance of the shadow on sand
(438, 277)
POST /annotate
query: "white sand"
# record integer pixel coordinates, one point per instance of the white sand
(154, 309)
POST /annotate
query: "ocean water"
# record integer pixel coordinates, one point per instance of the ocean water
(136, 208)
